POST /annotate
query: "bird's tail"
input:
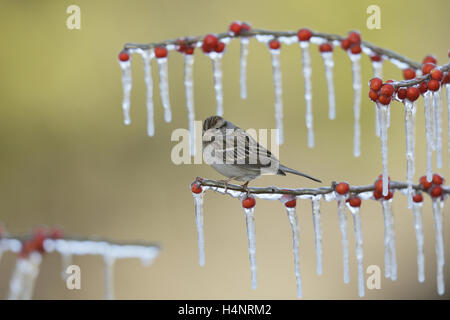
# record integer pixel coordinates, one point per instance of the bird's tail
(284, 169)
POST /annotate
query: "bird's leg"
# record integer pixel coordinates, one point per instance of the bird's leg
(245, 186)
(225, 182)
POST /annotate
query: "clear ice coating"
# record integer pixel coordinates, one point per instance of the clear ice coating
(377, 120)
(315, 201)
(306, 68)
(216, 59)
(126, 85)
(251, 236)
(292, 215)
(22, 282)
(329, 64)
(359, 247)
(447, 95)
(418, 227)
(147, 56)
(164, 87)
(243, 67)
(198, 202)
(384, 114)
(410, 125)
(356, 72)
(343, 226)
(108, 277)
(276, 70)
(390, 256)
(189, 89)
(437, 108)
(377, 69)
(438, 207)
(429, 128)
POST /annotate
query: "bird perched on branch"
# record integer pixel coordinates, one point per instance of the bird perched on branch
(235, 154)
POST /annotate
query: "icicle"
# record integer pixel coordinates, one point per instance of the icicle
(359, 247)
(377, 120)
(198, 201)
(108, 276)
(250, 223)
(390, 256)
(343, 226)
(292, 215)
(317, 232)
(356, 71)
(216, 59)
(438, 206)
(189, 88)
(329, 64)
(447, 88)
(24, 277)
(417, 211)
(147, 56)
(437, 108)
(429, 133)
(410, 124)
(243, 64)
(384, 113)
(66, 261)
(164, 87)
(377, 69)
(306, 66)
(276, 68)
(126, 84)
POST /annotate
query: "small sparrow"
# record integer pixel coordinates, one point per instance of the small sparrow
(235, 154)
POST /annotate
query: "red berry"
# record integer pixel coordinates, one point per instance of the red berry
(356, 49)
(425, 183)
(291, 203)
(377, 195)
(355, 202)
(387, 90)
(384, 100)
(409, 73)
(55, 233)
(206, 48)
(124, 56)
(161, 52)
(429, 59)
(209, 42)
(436, 74)
(412, 93)
(375, 58)
(436, 191)
(189, 50)
(401, 93)
(274, 44)
(38, 240)
(373, 95)
(345, 44)
(342, 188)
(376, 83)
(219, 47)
(389, 196)
(354, 38)
(379, 186)
(245, 27)
(433, 85)
(437, 179)
(304, 34)
(325, 47)
(248, 202)
(181, 45)
(427, 67)
(196, 188)
(235, 28)
(446, 79)
(423, 87)
(418, 197)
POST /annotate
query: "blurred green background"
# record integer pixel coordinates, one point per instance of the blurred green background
(68, 160)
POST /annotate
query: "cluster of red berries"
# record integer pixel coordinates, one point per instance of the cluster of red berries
(237, 28)
(378, 192)
(433, 187)
(343, 188)
(184, 47)
(36, 243)
(352, 43)
(211, 43)
(382, 92)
